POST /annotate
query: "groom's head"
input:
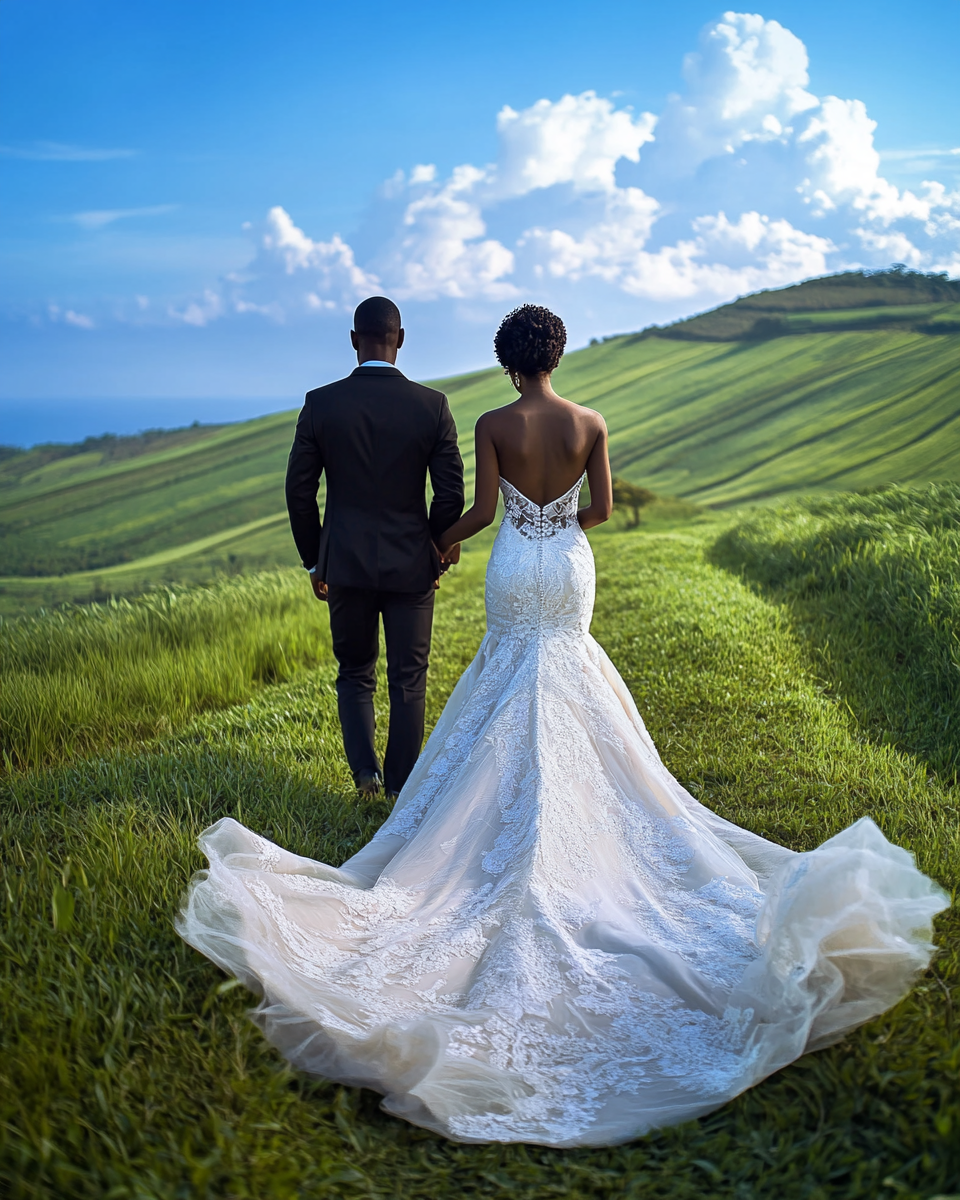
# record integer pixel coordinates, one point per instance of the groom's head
(377, 332)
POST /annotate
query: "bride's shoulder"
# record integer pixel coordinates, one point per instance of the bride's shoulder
(586, 416)
(494, 417)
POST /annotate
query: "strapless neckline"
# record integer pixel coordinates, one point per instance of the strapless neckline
(558, 500)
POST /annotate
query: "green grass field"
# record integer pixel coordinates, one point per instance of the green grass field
(873, 584)
(128, 1068)
(862, 388)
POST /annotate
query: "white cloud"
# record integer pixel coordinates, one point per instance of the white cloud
(844, 164)
(283, 242)
(723, 258)
(441, 249)
(98, 218)
(914, 155)
(69, 317)
(747, 180)
(200, 312)
(290, 274)
(895, 247)
(605, 249)
(747, 82)
(79, 320)
(576, 140)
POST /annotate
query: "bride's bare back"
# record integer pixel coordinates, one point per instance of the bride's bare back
(541, 444)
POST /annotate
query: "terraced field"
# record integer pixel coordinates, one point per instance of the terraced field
(860, 394)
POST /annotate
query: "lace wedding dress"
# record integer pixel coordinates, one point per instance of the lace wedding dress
(550, 940)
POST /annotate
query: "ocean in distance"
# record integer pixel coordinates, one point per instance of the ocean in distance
(26, 423)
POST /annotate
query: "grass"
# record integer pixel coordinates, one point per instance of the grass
(83, 679)
(872, 584)
(129, 1069)
(856, 396)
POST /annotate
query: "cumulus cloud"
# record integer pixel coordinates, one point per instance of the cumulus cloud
(291, 274)
(746, 82)
(746, 180)
(604, 249)
(844, 164)
(577, 140)
(441, 249)
(727, 258)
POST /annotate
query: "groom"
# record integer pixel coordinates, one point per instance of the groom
(376, 434)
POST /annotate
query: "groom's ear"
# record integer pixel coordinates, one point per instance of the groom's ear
(353, 339)
(400, 338)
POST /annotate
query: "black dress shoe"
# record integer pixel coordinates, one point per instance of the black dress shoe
(368, 783)
(392, 796)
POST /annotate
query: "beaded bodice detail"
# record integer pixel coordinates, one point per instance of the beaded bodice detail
(540, 575)
(540, 521)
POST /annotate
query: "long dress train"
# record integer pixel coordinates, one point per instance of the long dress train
(549, 940)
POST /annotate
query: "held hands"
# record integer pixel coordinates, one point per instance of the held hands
(319, 587)
(448, 558)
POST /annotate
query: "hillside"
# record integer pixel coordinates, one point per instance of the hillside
(859, 394)
(908, 300)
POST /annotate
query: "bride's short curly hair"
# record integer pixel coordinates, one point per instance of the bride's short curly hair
(530, 340)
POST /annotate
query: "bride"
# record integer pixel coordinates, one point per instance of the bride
(549, 940)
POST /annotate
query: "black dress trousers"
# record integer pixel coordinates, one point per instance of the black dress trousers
(355, 625)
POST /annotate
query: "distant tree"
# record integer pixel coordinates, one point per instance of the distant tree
(628, 495)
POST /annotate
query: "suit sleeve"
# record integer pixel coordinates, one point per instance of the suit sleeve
(446, 474)
(304, 468)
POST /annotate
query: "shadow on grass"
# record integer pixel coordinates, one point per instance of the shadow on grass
(871, 586)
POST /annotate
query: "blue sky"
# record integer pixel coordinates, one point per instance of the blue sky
(194, 196)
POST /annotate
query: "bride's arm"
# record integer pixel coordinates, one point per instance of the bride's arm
(485, 495)
(601, 485)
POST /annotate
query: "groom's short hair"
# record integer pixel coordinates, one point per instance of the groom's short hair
(377, 317)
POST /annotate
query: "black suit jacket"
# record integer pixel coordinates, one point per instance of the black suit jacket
(375, 434)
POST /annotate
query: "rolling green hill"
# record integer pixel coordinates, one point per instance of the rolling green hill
(909, 300)
(835, 384)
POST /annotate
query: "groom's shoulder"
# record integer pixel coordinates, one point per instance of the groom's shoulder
(330, 391)
(354, 384)
(428, 394)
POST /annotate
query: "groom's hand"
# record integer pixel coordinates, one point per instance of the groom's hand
(319, 587)
(447, 560)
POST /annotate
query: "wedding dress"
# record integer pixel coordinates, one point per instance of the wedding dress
(550, 940)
